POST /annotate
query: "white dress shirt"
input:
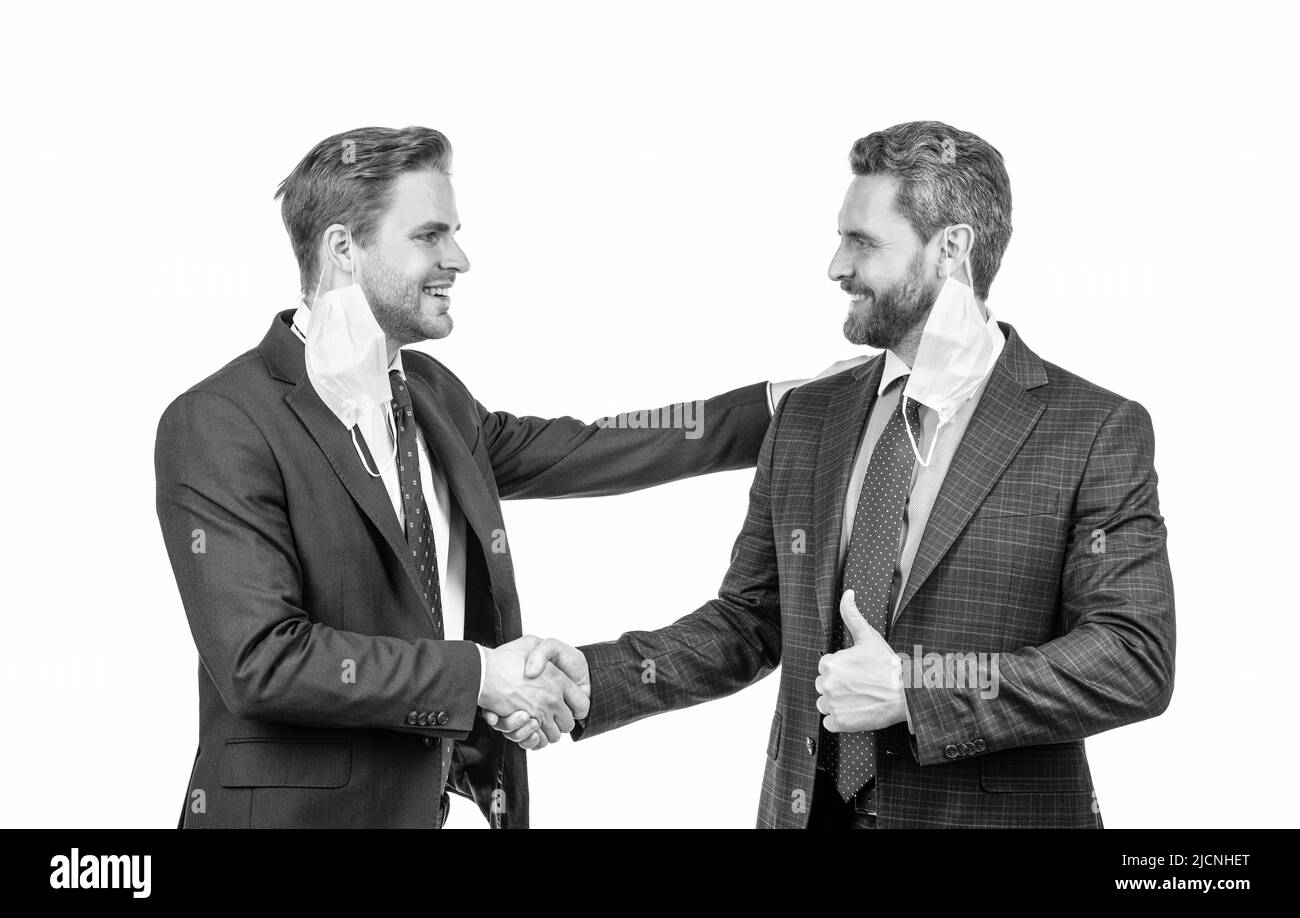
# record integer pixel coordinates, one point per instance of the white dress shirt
(926, 480)
(449, 526)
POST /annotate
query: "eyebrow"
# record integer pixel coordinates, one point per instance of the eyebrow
(858, 234)
(433, 226)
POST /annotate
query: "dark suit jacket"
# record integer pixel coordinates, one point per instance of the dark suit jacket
(290, 562)
(1045, 546)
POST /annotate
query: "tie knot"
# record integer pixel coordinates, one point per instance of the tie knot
(401, 393)
(913, 406)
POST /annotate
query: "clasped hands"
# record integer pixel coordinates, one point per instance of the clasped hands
(534, 690)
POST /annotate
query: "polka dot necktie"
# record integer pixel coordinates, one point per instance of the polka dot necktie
(419, 527)
(869, 573)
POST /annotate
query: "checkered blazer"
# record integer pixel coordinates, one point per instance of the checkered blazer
(1043, 559)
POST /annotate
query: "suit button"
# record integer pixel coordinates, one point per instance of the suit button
(951, 751)
(442, 718)
(979, 745)
(430, 742)
(810, 744)
(412, 717)
(424, 720)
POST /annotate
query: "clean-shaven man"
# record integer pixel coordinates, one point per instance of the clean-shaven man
(954, 550)
(331, 507)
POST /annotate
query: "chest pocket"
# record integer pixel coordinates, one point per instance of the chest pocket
(1011, 499)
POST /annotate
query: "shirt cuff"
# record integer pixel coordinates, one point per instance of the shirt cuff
(482, 671)
(771, 409)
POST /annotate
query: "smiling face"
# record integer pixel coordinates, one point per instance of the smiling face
(407, 271)
(887, 270)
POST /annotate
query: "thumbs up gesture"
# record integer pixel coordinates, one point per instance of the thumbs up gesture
(860, 687)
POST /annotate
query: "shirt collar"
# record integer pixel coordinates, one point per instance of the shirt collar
(301, 319)
(894, 368)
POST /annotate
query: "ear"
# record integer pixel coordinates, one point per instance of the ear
(338, 251)
(956, 243)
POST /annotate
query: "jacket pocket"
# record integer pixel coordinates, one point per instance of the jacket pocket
(1036, 769)
(774, 737)
(257, 762)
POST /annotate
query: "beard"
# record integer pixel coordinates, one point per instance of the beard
(890, 314)
(397, 304)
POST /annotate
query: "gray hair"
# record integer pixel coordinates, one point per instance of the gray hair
(946, 176)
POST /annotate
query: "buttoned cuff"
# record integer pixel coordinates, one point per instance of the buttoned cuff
(482, 672)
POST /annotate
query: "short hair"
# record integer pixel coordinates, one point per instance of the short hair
(946, 176)
(348, 179)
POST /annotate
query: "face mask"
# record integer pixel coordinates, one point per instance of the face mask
(958, 348)
(347, 360)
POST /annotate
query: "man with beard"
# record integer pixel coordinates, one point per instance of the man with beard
(954, 550)
(331, 507)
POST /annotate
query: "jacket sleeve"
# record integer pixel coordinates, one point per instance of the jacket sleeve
(222, 507)
(564, 457)
(1114, 664)
(728, 643)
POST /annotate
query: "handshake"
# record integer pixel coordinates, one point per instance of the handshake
(534, 690)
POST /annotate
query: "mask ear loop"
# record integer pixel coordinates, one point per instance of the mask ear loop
(908, 427)
(388, 414)
(970, 272)
(316, 294)
(320, 280)
(388, 418)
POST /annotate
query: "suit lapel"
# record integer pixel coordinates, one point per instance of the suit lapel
(284, 357)
(1002, 421)
(369, 492)
(436, 410)
(283, 353)
(846, 416)
(449, 447)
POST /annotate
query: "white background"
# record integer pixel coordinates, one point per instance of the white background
(649, 201)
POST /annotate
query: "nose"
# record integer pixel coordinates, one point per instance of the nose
(841, 267)
(454, 258)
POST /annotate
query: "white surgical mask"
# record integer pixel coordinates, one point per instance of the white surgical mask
(958, 348)
(347, 360)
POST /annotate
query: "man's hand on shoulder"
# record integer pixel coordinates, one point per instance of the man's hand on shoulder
(777, 390)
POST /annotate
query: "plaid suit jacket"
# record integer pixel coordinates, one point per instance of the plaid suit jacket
(1043, 560)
